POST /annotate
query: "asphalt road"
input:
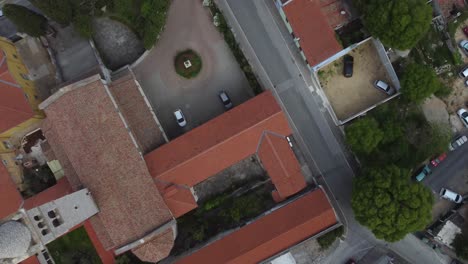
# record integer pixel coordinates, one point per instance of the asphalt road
(272, 54)
(451, 173)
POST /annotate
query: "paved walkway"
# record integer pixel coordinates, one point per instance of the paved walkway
(190, 25)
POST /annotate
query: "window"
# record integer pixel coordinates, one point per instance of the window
(7, 144)
(51, 214)
(5, 162)
(44, 232)
(24, 76)
(56, 222)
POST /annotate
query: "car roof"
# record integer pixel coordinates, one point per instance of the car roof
(450, 194)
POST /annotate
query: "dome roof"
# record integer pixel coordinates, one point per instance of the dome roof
(15, 239)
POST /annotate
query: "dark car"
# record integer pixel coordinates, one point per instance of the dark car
(225, 99)
(348, 62)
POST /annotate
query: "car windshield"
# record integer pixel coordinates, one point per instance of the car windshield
(180, 119)
(464, 114)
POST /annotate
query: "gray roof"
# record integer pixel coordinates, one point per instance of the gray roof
(15, 239)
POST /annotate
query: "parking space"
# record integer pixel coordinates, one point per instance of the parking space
(350, 96)
(190, 26)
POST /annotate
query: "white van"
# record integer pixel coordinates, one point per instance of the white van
(450, 195)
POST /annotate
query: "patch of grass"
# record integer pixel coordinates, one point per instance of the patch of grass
(325, 241)
(193, 58)
(235, 49)
(74, 247)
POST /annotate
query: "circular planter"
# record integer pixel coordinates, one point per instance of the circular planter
(188, 64)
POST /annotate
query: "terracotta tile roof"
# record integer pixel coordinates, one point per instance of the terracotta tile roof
(213, 147)
(270, 234)
(282, 166)
(14, 108)
(9, 196)
(92, 136)
(137, 113)
(331, 10)
(31, 260)
(151, 250)
(60, 189)
(180, 200)
(316, 37)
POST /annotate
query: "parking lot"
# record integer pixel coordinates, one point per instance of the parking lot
(349, 96)
(190, 26)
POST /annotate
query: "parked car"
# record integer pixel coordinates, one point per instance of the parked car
(180, 118)
(464, 72)
(450, 195)
(464, 46)
(383, 86)
(463, 114)
(466, 83)
(435, 162)
(348, 62)
(225, 99)
(424, 172)
(465, 30)
(458, 142)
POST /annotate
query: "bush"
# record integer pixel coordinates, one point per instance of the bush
(364, 135)
(460, 244)
(25, 20)
(443, 91)
(418, 83)
(325, 241)
(195, 60)
(83, 25)
(59, 10)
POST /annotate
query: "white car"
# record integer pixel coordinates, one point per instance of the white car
(383, 86)
(463, 114)
(450, 195)
(180, 118)
(464, 46)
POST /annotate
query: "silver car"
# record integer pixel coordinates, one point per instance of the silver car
(463, 114)
(464, 46)
(385, 87)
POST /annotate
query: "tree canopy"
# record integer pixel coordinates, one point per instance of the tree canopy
(387, 202)
(460, 244)
(364, 135)
(25, 20)
(399, 24)
(418, 83)
(60, 11)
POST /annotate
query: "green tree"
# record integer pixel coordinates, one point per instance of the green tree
(387, 202)
(418, 83)
(25, 20)
(364, 135)
(399, 24)
(460, 244)
(59, 10)
(83, 24)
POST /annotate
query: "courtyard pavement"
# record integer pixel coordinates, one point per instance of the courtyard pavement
(190, 26)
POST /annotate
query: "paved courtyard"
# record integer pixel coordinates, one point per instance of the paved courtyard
(190, 25)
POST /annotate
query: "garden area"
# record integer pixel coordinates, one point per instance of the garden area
(74, 247)
(188, 63)
(221, 213)
(37, 180)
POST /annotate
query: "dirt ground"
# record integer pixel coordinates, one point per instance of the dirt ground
(459, 35)
(349, 96)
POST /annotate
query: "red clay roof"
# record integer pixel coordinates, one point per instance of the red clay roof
(316, 37)
(31, 260)
(270, 234)
(91, 134)
(14, 108)
(59, 190)
(282, 166)
(213, 147)
(106, 256)
(9, 196)
(179, 199)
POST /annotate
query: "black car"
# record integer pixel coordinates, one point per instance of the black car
(348, 62)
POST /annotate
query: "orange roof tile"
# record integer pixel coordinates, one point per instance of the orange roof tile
(270, 234)
(316, 37)
(107, 257)
(282, 166)
(180, 200)
(92, 136)
(31, 260)
(217, 144)
(9, 196)
(60, 189)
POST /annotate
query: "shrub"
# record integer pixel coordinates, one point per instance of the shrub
(59, 10)
(83, 24)
(25, 20)
(325, 241)
(195, 60)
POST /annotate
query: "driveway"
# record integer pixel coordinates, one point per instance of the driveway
(190, 25)
(276, 60)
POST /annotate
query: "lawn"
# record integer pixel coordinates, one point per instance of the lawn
(74, 247)
(221, 213)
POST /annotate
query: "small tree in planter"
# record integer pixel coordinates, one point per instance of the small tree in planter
(188, 64)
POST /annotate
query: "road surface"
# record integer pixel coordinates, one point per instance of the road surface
(270, 50)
